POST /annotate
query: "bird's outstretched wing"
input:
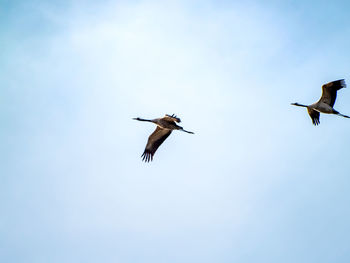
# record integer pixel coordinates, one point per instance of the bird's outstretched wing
(329, 91)
(172, 117)
(153, 143)
(314, 115)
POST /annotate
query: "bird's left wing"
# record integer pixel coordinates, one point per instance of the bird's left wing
(329, 91)
(153, 143)
(314, 115)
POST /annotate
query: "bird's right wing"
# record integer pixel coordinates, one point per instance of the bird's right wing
(314, 115)
(171, 118)
(153, 143)
(329, 91)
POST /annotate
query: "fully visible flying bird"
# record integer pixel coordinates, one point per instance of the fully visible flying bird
(326, 102)
(165, 126)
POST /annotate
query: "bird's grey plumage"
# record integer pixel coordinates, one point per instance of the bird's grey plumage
(164, 128)
(326, 102)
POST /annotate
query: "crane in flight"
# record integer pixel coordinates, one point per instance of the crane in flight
(164, 128)
(326, 102)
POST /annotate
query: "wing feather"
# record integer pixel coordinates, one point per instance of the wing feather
(314, 115)
(172, 117)
(329, 91)
(153, 143)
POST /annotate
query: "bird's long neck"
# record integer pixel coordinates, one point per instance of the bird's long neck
(140, 119)
(300, 105)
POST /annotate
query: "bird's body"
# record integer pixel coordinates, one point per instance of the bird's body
(164, 128)
(322, 107)
(326, 102)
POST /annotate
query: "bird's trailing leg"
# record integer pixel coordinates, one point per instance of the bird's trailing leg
(345, 116)
(187, 131)
(339, 114)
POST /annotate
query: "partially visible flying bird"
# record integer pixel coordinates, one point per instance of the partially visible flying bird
(326, 102)
(165, 126)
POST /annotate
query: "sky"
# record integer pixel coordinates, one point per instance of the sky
(257, 182)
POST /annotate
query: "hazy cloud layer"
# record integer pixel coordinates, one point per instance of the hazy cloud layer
(256, 183)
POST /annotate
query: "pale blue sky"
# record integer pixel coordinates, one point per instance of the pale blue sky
(256, 183)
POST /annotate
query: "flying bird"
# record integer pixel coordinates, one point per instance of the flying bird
(326, 102)
(164, 128)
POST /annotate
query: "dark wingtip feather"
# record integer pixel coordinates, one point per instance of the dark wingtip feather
(147, 156)
(174, 116)
(342, 83)
(315, 122)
